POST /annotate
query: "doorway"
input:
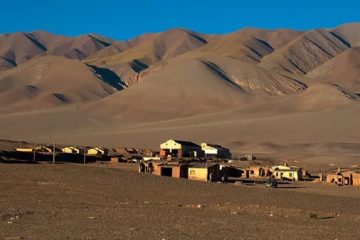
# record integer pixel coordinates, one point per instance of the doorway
(166, 171)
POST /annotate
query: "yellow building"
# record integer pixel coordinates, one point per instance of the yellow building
(215, 150)
(96, 151)
(179, 149)
(204, 172)
(71, 150)
(24, 149)
(42, 149)
(287, 173)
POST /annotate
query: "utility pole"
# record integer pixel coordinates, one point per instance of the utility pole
(84, 155)
(34, 156)
(53, 152)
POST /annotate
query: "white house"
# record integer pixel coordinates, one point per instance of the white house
(179, 148)
(286, 172)
(215, 150)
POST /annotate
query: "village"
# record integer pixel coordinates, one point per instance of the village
(129, 190)
(187, 160)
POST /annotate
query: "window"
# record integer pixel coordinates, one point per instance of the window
(290, 174)
(251, 171)
(192, 172)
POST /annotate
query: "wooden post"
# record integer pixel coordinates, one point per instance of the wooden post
(34, 156)
(53, 152)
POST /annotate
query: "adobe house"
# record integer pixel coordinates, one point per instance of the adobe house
(179, 149)
(286, 172)
(40, 149)
(96, 151)
(336, 178)
(346, 177)
(70, 150)
(215, 150)
(203, 172)
(256, 171)
(171, 170)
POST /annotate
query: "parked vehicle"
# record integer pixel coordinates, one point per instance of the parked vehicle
(271, 182)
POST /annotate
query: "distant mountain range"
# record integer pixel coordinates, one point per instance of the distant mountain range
(180, 73)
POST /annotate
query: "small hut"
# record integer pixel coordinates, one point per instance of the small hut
(204, 172)
(175, 170)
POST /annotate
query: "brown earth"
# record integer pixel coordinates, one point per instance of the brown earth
(43, 201)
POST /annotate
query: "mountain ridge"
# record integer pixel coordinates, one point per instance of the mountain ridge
(266, 64)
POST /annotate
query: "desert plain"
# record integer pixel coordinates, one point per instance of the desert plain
(65, 201)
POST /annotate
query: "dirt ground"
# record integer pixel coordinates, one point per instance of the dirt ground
(69, 201)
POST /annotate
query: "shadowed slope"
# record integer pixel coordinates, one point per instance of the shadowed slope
(349, 33)
(256, 80)
(182, 89)
(145, 51)
(17, 48)
(343, 70)
(305, 53)
(248, 45)
(50, 81)
(74, 48)
(118, 47)
(192, 87)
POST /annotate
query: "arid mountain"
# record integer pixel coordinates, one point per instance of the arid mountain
(206, 85)
(349, 33)
(74, 48)
(17, 48)
(150, 48)
(305, 53)
(249, 45)
(343, 70)
(252, 87)
(139, 53)
(50, 81)
(191, 83)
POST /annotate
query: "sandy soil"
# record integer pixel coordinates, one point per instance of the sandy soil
(65, 201)
(323, 137)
